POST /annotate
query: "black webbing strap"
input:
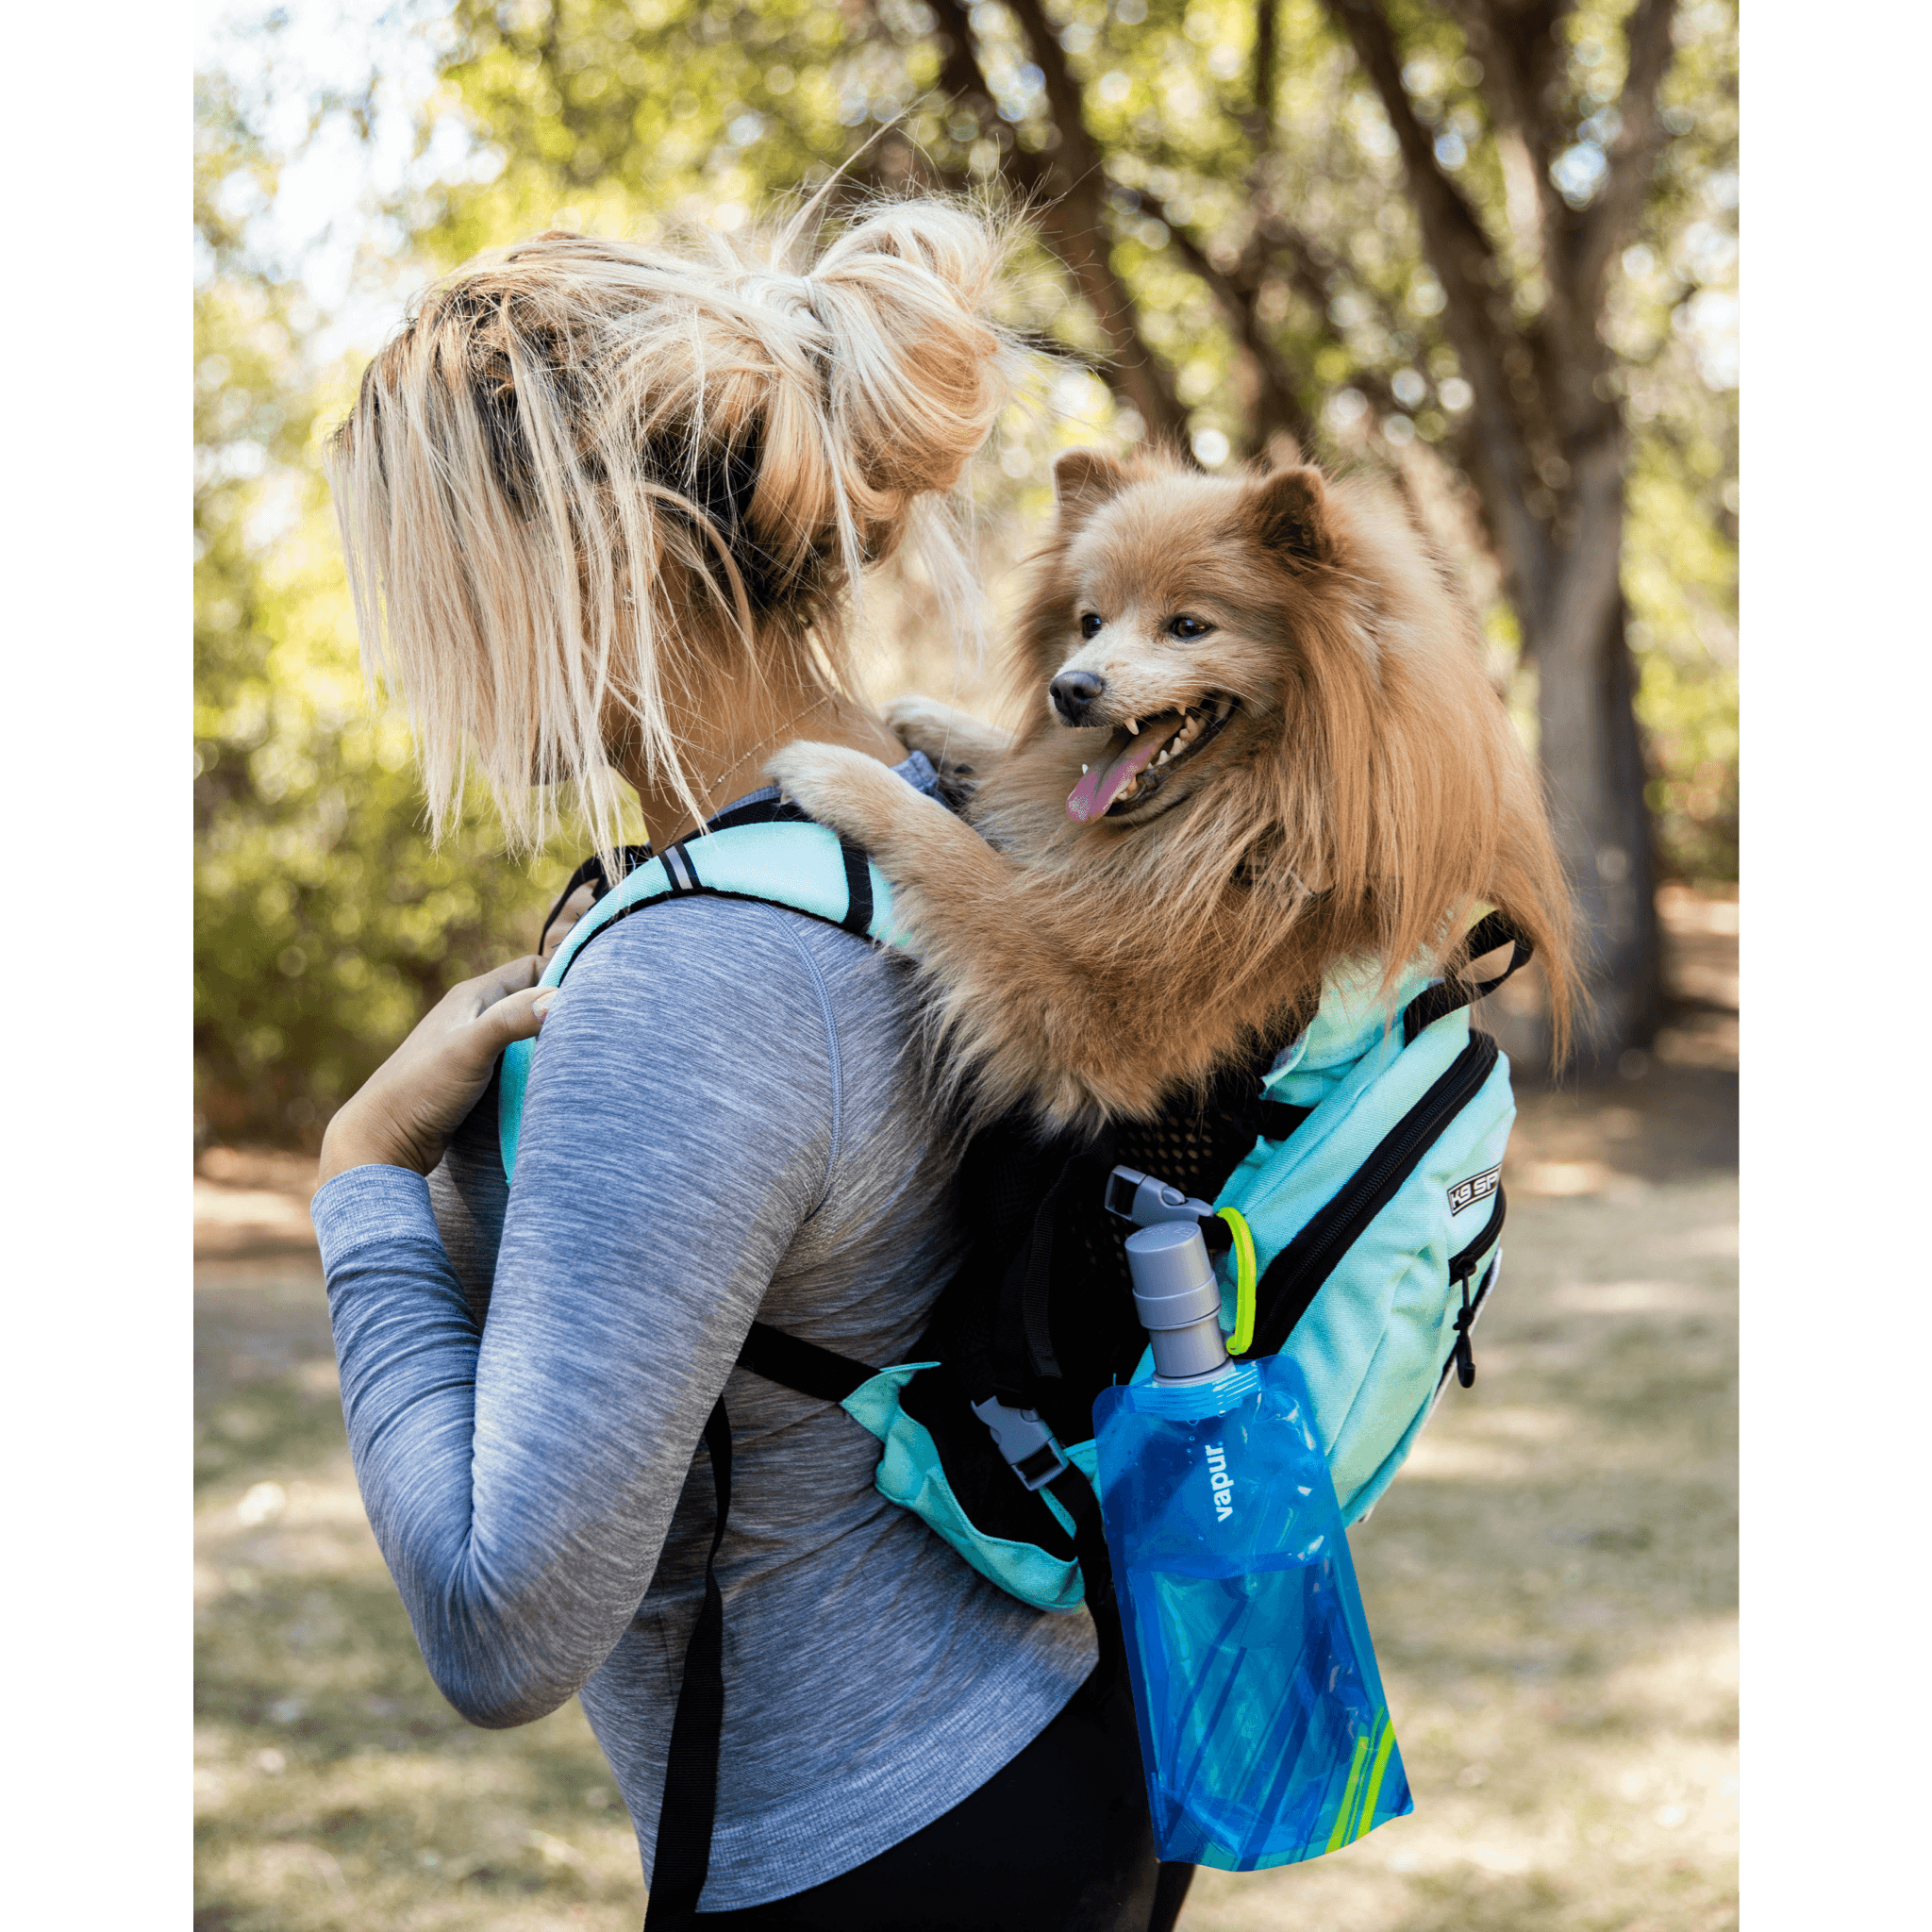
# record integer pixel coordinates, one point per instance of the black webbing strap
(1276, 1120)
(1076, 1495)
(756, 811)
(591, 873)
(1023, 1340)
(1462, 1266)
(689, 1805)
(680, 874)
(858, 891)
(1020, 1348)
(1438, 1002)
(759, 811)
(1465, 1321)
(684, 879)
(801, 1365)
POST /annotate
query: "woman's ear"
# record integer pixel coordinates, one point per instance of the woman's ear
(1083, 479)
(1290, 514)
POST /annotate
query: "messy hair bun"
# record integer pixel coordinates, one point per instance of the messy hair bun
(585, 475)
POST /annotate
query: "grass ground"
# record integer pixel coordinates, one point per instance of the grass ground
(1551, 1584)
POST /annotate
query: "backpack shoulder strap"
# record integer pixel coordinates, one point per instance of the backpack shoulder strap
(801, 1365)
(1452, 994)
(766, 851)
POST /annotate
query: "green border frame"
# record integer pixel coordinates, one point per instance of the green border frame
(99, 1227)
(1836, 1074)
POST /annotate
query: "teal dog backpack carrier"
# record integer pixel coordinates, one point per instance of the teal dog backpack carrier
(1347, 1181)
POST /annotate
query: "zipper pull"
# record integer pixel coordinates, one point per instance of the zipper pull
(1465, 1353)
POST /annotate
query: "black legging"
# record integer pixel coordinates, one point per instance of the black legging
(1059, 1841)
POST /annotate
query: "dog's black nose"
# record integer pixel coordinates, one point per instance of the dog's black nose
(1074, 693)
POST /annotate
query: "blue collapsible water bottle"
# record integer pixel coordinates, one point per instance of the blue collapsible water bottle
(1264, 1732)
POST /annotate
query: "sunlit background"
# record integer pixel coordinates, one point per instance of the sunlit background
(1273, 281)
(1486, 247)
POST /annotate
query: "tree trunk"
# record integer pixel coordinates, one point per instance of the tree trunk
(1633, 940)
(1593, 755)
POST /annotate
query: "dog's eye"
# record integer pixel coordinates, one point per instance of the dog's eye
(1188, 628)
(1089, 625)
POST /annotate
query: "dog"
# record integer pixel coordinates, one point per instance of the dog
(1260, 745)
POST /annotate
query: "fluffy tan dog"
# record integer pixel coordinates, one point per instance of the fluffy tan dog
(1260, 745)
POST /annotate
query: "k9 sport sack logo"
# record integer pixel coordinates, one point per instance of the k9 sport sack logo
(1478, 1187)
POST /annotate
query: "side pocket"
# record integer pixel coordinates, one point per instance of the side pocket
(918, 1474)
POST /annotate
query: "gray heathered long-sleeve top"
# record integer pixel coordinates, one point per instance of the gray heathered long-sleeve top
(723, 1121)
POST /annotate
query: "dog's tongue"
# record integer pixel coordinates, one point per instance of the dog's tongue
(1099, 788)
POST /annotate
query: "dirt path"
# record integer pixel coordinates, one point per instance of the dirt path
(1551, 1584)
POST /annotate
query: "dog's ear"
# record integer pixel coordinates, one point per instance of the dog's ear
(1083, 479)
(1290, 514)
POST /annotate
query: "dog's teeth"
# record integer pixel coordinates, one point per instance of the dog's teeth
(1133, 727)
(1083, 771)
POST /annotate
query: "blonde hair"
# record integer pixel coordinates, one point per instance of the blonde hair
(587, 479)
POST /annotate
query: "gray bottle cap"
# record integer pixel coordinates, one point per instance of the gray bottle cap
(1178, 1299)
(1170, 1259)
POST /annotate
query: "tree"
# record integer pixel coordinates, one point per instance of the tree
(1382, 229)
(1547, 444)
(1230, 236)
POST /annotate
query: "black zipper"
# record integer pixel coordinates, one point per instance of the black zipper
(1464, 1263)
(1296, 1275)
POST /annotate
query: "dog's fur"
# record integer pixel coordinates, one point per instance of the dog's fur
(1363, 799)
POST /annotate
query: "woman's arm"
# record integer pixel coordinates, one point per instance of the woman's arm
(680, 1124)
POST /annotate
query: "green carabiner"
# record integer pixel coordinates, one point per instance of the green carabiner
(1243, 1336)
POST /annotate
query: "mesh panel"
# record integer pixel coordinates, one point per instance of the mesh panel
(1193, 1146)
(1006, 1174)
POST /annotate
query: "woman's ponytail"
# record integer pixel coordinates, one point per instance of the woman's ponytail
(584, 468)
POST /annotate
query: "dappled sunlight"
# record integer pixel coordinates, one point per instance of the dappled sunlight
(1693, 1683)
(1552, 1590)
(1464, 1461)
(1551, 1585)
(317, 1529)
(1639, 1298)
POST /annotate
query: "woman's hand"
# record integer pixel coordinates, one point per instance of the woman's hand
(405, 1112)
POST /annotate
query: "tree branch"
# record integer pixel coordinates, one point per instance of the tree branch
(1446, 216)
(1278, 404)
(1069, 191)
(1612, 215)
(1267, 47)
(1520, 53)
(1476, 314)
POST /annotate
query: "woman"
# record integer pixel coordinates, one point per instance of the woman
(603, 508)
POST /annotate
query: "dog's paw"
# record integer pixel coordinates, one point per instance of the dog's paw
(954, 741)
(919, 723)
(837, 785)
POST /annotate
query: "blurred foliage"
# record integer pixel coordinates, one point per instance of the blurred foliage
(324, 925)
(615, 114)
